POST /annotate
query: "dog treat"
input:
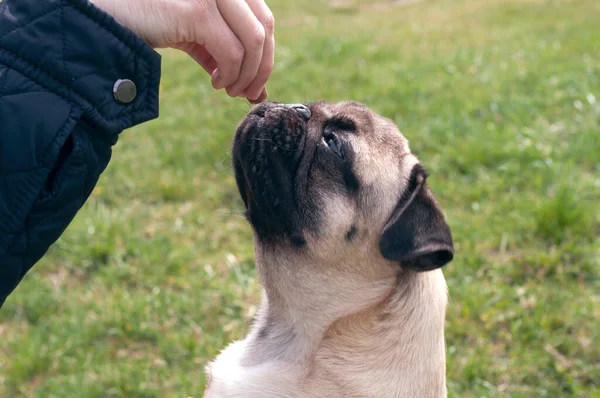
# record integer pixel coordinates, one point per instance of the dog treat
(262, 97)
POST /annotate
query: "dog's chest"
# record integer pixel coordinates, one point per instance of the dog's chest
(227, 378)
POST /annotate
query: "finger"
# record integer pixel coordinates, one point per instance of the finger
(225, 48)
(200, 55)
(251, 33)
(262, 97)
(264, 16)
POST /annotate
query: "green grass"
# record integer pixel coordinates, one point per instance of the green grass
(499, 98)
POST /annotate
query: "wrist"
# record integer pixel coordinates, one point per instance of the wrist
(150, 20)
(121, 11)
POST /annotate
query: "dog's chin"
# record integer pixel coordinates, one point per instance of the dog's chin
(267, 151)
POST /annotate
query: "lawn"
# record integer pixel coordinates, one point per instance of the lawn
(501, 101)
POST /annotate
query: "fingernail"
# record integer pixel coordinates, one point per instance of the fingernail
(217, 80)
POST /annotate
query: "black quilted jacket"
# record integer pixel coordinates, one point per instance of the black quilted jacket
(71, 80)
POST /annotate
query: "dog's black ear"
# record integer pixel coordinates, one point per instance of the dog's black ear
(417, 235)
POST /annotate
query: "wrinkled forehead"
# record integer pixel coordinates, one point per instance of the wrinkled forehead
(350, 109)
(376, 130)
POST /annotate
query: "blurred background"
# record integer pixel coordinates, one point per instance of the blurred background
(499, 99)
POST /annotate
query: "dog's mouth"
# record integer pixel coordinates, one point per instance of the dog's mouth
(268, 152)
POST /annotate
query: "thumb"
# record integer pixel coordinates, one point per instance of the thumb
(199, 54)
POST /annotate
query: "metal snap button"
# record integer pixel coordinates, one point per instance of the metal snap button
(124, 91)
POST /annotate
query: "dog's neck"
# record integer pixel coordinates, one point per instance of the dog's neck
(397, 336)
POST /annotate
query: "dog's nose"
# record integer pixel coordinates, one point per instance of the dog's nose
(302, 110)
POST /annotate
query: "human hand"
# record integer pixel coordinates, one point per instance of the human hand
(232, 40)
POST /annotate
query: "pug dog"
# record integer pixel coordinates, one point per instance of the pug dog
(349, 242)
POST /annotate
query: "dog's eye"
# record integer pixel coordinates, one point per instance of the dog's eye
(333, 143)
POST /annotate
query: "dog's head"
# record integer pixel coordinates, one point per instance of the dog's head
(335, 184)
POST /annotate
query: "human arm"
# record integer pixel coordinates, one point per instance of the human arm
(233, 40)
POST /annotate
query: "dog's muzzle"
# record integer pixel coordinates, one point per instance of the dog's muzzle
(281, 126)
(267, 151)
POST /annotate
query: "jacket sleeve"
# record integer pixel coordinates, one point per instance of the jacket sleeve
(63, 103)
